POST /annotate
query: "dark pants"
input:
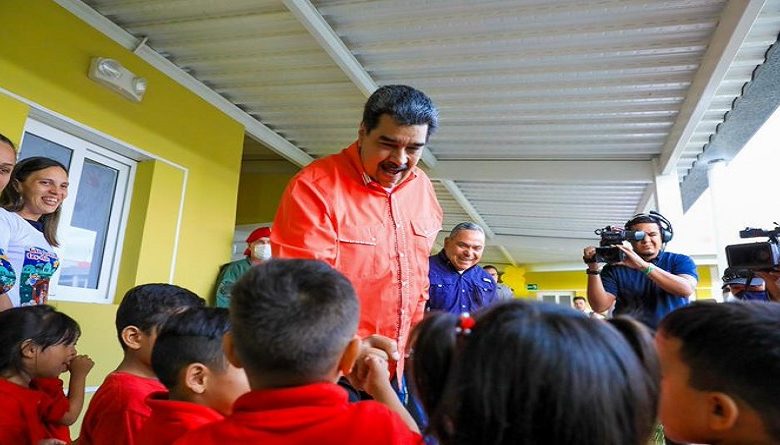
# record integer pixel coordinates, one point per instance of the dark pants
(402, 391)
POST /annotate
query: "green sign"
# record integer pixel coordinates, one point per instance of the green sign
(532, 286)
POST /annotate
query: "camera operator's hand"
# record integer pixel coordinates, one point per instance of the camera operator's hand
(632, 259)
(589, 257)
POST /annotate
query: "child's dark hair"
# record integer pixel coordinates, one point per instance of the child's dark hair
(293, 318)
(41, 324)
(732, 348)
(148, 306)
(534, 373)
(192, 336)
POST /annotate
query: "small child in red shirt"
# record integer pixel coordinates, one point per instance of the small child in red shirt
(294, 330)
(38, 344)
(202, 384)
(118, 409)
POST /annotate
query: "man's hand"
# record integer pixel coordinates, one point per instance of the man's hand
(589, 257)
(379, 346)
(632, 259)
(80, 365)
(50, 442)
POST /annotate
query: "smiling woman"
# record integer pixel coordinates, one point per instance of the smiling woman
(7, 160)
(30, 213)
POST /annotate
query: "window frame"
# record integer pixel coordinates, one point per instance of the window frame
(83, 149)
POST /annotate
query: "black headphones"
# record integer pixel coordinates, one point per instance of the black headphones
(663, 224)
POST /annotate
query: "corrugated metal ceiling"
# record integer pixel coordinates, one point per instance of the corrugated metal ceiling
(557, 82)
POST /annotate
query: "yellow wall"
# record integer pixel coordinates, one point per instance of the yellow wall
(45, 53)
(577, 281)
(259, 196)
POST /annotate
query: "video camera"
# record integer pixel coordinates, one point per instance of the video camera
(761, 256)
(611, 236)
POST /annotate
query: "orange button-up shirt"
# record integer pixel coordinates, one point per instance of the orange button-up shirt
(332, 211)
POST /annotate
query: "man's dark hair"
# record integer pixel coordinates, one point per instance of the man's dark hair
(148, 306)
(490, 266)
(503, 383)
(732, 348)
(467, 225)
(192, 336)
(406, 105)
(579, 298)
(293, 318)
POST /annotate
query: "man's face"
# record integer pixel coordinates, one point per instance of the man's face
(464, 249)
(683, 409)
(579, 304)
(493, 273)
(389, 151)
(650, 246)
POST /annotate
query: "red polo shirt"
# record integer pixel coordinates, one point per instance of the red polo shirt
(312, 414)
(118, 410)
(171, 419)
(23, 415)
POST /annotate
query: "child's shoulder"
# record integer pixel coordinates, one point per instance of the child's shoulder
(123, 386)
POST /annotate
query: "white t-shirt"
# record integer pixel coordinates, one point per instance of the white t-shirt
(27, 261)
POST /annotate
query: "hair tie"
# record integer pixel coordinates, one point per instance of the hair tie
(465, 323)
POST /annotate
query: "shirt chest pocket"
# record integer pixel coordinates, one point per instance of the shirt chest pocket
(362, 254)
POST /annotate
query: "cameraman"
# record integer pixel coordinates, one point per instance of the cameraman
(650, 282)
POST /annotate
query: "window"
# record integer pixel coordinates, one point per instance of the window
(93, 216)
(562, 298)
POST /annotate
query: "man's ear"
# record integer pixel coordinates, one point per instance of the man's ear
(131, 337)
(350, 355)
(229, 348)
(196, 376)
(362, 131)
(722, 412)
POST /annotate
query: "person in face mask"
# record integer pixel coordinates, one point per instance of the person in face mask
(740, 289)
(258, 251)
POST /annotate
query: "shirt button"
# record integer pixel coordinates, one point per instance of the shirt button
(401, 254)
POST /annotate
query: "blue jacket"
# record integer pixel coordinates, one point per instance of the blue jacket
(455, 292)
(638, 296)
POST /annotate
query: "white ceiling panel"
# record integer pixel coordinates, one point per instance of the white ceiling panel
(556, 115)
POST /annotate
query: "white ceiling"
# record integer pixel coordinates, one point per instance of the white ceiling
(556, 116)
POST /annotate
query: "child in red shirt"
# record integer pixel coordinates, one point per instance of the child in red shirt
(202, 384)
(118, 409)
(38, 344)
(294, 326)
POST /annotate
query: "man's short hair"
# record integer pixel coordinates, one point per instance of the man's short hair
(148, 306)
(732, 348)
(490, 266)
(192, 336)
(406, 105)
(466, 226)
(293, 317)
(578, 298)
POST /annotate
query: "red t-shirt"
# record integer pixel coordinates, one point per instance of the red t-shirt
(312, 414)
(171, 419)
(118, 410)
(53, 406)
(20, 421)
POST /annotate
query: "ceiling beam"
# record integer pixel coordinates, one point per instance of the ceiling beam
(733, 27)
(308, 15)
(561, 171)
(138, 46)
(462, 201)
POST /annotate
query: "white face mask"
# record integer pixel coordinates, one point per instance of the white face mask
(262, 252)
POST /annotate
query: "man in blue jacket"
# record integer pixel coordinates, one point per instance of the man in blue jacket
(458, 284)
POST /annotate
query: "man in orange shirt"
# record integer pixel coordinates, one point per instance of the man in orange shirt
(372, 214)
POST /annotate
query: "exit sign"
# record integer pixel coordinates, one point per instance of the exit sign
(532, 286)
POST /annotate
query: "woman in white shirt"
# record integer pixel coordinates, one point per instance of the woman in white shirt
(7, 274)
(31, 205)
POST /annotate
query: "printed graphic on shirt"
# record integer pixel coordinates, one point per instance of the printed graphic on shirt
(7, 274)
(39, 265)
